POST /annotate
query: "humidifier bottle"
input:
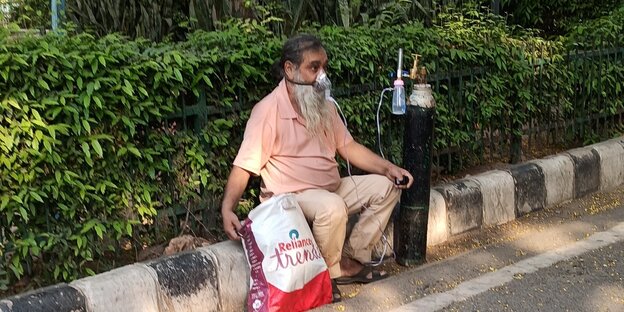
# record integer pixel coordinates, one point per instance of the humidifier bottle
(398, 92)
(398, 98)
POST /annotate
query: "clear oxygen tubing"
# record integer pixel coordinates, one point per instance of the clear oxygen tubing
(383, 238)
(378, 122)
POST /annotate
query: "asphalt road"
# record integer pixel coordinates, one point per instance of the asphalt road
(565, 258)
(593, 281)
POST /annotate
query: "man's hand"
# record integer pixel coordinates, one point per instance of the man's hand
(231, 225)
(396, 173)
(237, 181)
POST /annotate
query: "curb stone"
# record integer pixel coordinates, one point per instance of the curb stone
(558, 178)
(132, 287)
(187, 282)
(464, 202)
(586, 170)
(232, 274)
(216, 278)
(498, 192)
(60, 297)
(530, 188)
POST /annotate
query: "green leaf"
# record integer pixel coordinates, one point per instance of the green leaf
(86, 125)
(143, 91)
(39, 122)
(57, 271)
(146, 195)
(127, 122)
(52, 131)
(207, 81)
(97, 148)
(8, 141)
(86, 101)
(97, 101)
(85, 149)
(36, 196)
(128, 90)
(177, 58)
(23, 213)
(11, 102)
(178, 74)
(122, 151)
(35, 114)
(134, 151)
(90, 87)
(117, 227)
(5, 202)
(88, 226)
(43, 84)
(17, 199)
(98, 231)
(48, 147)
(20, 60)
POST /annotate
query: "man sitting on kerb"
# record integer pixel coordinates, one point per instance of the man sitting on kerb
(291, 140)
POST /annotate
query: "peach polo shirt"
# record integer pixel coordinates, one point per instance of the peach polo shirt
(276, 145)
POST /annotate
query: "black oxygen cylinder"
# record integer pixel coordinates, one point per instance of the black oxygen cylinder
(410, 235)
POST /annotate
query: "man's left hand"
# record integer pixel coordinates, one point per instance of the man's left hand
(397, 174)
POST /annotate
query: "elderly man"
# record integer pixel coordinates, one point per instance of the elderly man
(291, 140)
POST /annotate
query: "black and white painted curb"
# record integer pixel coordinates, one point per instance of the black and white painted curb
(208, 279)
(499, 196)
(215, 278)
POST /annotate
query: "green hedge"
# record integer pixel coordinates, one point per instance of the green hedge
(85, 155)
(89, 155)
(606, 31)
(556, 17)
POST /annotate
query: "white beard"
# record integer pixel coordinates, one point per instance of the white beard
(314, 110)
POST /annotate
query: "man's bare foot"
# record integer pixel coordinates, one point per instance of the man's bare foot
(350, 267)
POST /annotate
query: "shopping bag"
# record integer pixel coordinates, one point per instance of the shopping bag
(288, 272)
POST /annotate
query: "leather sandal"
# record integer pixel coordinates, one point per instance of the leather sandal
(362, 276)
(336, 295)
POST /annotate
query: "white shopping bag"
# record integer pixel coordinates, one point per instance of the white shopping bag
(288, 272)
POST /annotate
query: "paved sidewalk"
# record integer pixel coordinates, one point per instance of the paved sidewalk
(535, 263)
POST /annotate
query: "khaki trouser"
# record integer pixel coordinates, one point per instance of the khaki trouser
(373, 196)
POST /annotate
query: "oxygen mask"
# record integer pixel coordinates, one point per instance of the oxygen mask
(320, 84)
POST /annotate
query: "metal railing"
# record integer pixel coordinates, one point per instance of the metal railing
(588, 109)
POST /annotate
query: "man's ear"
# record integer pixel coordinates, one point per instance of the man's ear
(289, 69)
